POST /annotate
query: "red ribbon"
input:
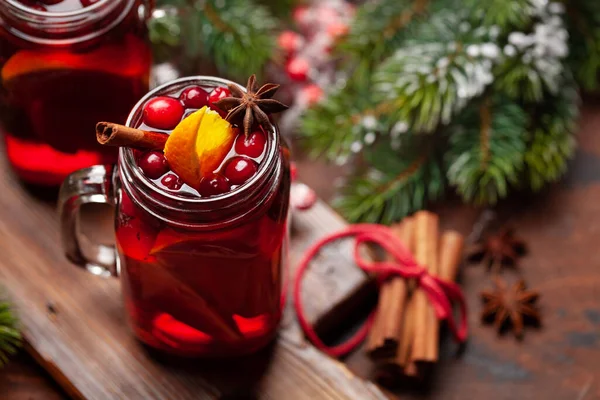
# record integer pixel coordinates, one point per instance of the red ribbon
(441, 294)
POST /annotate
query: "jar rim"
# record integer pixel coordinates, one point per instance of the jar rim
(62, 28)
(127, 159)
(74, 13)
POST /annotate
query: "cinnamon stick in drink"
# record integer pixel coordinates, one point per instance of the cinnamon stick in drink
(110, 134)
(387, 326)
(424, 346)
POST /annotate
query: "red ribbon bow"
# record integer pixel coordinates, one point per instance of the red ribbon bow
(441, 294)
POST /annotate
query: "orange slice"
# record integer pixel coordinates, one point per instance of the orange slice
(198, 145)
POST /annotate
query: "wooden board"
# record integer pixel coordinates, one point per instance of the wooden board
(84, 342)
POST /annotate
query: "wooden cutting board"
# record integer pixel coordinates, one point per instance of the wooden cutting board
(74, 323)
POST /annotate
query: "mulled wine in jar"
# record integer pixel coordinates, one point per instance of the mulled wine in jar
(201, 228)
(64, 65)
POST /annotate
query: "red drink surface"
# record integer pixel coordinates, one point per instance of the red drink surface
(215, 292)
(52, 96)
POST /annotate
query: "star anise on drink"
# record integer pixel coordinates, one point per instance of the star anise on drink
(252, 105)
(496, 250)
(510, 307)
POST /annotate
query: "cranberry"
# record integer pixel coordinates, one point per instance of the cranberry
(153, 164)
(172, 182)
(251, 146)
(163, 112)
(213, 185)
(194, 97)
(87, 3)
(216, 95)
(240, 169)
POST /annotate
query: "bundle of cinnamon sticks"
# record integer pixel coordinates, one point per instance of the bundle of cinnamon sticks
(404, 338)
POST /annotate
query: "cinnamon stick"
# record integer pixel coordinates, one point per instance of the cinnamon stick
(387, 326)
(110, 134)
(424, 346)
(451, 249)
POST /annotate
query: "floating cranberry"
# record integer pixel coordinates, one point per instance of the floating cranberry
(194, 97)
(251, 146)
(87, 3)
(153, 164)
(216, 95)
(240, 169)
(172, 182)
(213, 185)
(163, 112)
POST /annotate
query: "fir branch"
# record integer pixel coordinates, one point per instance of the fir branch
(583, 20)
(552, 142)
(237, 35)
(533, 62)
(486, 150)
(10, 338)
(333, 126)
(379, 27)
(505, 14)
(396, 184)
(432, 77)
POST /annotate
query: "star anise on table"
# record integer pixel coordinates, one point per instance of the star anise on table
(499, 249)
(510, 307)
(253, 105)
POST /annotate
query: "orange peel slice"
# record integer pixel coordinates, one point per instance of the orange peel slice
(198, 145)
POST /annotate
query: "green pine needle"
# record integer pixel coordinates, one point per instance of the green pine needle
(379, 27)
(583, 19)
(432, 77)
(505, 14)
(238, 36)
(487, 150)
(10, 337)
(552, 141)
(396, 185)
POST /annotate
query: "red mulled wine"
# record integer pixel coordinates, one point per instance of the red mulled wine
(203, 276)
(64, 65)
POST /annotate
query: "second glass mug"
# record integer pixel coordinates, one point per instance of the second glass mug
(62, 71)
(200, 276)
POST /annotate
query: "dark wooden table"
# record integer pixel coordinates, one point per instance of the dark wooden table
(562, 226)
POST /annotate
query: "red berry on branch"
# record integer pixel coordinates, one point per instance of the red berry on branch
(240, 169)
(311, 94)
(194, 97)
(163, 112)
(337, 29)
(290, 41)
(297, 69)
(172, 182)
(213, 185)
(251, 146)
(153, 164)
(300, 15)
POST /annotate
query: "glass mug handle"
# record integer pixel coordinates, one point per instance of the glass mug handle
(89, 185)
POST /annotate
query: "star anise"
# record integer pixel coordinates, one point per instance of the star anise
(510, 307)
(496, 250)
(252, 105)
